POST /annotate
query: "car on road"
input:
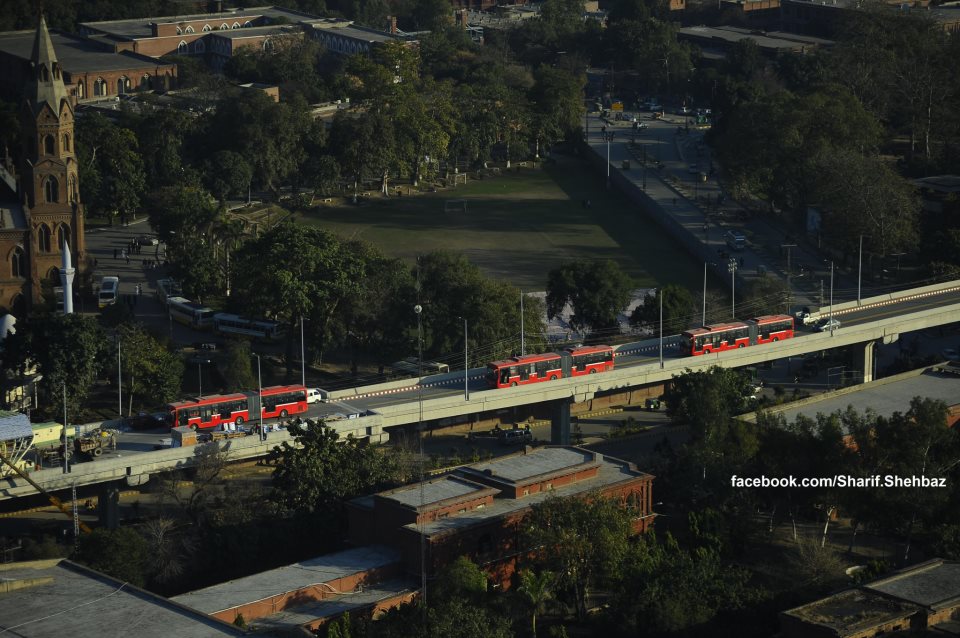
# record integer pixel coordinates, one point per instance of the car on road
(827, 325)
(639, 125)
(148, 240)
(147, 420)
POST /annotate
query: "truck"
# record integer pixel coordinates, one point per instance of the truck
(94, 443)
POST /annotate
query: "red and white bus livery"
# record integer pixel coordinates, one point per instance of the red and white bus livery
(534, 368)
(279, 401)
(736, 334)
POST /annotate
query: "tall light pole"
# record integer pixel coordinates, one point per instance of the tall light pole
(466, 363)
(263, 436)
(831, 297)
(66, 448)
(660, 294)
(732, 267)
(789, 273)
(523, 342)
(200, 377)
(608, 137)
(303, 358)
(703, 319)
(418, 310)
(119, 381)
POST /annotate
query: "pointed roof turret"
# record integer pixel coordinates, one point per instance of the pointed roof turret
(47, 82)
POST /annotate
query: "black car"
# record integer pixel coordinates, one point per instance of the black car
(147, 421)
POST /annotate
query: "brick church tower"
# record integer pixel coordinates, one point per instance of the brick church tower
(47, 173)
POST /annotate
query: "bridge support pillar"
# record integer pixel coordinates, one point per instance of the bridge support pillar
(868, 353)
(108, 505)
(560, 422)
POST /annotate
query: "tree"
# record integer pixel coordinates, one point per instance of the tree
(677, 309)
(596, 290)
(557, 98)
(112, 177)
(237, 368)
(537, 588)
(227, 174)
(70, 351)
(161, 138)
(320, 472)
(151, 373)
(120, 553)
(181, 214)
(583, 541)
(765, 296)
(461, 580)
(198, 496)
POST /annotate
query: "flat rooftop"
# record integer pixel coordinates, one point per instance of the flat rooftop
(359, 33)
(851, 611)
(322, 569)
(256, 32)
(302, 614)
(519, 468)
(611, 471)
(98, 606)
(883, 397)
(929, 584)
(141, 27)
(446, 488)
(75, 55)
(731, 35)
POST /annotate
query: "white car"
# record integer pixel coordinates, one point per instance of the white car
(827, 325)
(316, 395)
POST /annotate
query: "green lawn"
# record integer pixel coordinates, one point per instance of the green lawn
(521, 225)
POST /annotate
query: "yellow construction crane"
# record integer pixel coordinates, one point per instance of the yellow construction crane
(56, 502)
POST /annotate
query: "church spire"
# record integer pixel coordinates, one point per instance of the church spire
(46, 86)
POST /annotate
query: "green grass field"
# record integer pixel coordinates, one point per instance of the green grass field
(519, 226)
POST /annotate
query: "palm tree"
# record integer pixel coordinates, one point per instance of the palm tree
(538, 589)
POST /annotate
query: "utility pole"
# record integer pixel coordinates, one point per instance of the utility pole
(732, 267)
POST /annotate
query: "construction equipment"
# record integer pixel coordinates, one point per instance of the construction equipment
(56, 502)
(95, 443)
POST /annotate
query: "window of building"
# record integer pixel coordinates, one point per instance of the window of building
(53, 275)
(99, 87)
(145, 82)
(267, 45)
(206, 27)
(526, 492)
(199, 46)
(18, 263)
(179, 31)
(189, 29)
(66, 142)
(81, 90)
(51, 190)
(236, 25)
(247, 24)
(548, 486)
(123, 85)
(182, 48)
(481, 506)
(63, 236)
(224, 27)
(43, 238)
(48, 144)
(74, 195)
(44, 73)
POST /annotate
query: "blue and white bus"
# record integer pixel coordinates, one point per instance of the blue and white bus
(228, 324)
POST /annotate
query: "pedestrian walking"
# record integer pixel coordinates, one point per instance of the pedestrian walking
(128, 259)
(115, 253)
(95, 262)
(139, 290)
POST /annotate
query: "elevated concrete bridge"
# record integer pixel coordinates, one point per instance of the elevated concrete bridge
(400, 403)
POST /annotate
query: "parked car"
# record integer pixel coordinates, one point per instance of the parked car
(516, 436)
(148, 240)
(147, 420)
(827, 325)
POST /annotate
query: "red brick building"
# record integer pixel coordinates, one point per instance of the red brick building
(475, 511)
(40, 207)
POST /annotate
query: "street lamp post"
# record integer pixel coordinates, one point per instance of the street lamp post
(119, 381)
(831, 297)
(732, 268)
(608, 137)
(200, 377)
(703, 319)
(466, 363)
(260, 399)
(523, 341)
(660, 294)
(789, 273)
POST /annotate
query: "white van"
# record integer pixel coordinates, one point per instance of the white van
(109, 291)
(316, 395)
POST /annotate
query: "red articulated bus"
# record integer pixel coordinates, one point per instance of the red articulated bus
(736, 334)
(534, 368)
(212, 411)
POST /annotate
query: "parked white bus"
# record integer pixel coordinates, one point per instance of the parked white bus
(189, 313)
(229, 324)
(109, 291)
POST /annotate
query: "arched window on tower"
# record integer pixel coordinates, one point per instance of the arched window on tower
(182, 48)
(63, 236)
(74, 196)
(51, 190)
(66, 141)
(44, 73)
(56, 70)
(81, 90)
(48, 144)
(53, 275)
(18, 262)
(43, 238)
